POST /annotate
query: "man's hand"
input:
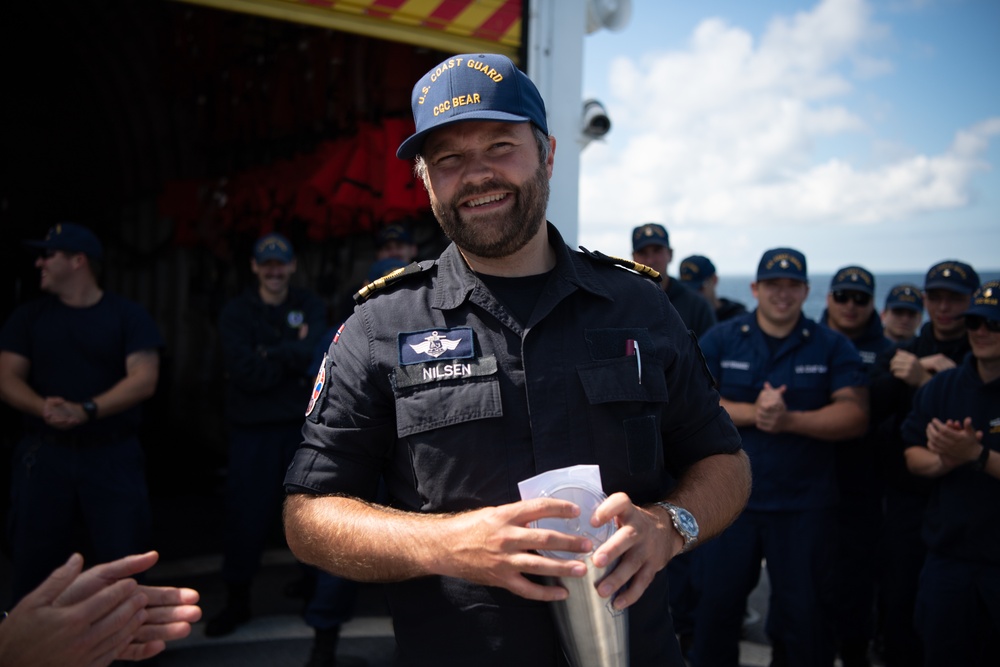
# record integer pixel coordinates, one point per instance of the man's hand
(906, 366)
(955, 442)
(770, 408)
(62, 414)
(169, 611)
(496, 546)
(644, 543)
(935, 363)
(94, 617)
(90, 633)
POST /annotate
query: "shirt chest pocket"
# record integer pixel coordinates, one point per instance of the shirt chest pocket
(432, 396)
(623, 409)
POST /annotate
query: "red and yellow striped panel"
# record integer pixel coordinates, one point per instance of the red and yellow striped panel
(489, 20)
(447, 25)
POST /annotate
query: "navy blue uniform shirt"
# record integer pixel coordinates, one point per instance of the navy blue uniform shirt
(963, 515)
(791, 472)
(79, 353)
(267, 360)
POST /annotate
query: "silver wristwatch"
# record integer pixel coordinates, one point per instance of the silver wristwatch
(684, 522)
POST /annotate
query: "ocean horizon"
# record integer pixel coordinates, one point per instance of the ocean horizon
(737, 288)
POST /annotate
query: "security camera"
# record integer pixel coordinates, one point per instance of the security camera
(595, 120)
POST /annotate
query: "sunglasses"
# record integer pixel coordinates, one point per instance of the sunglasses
(973, 322)
(859, 298)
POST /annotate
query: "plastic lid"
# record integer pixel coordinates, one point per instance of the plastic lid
(587, 498)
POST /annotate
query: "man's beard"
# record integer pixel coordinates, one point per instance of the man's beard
(506, 232)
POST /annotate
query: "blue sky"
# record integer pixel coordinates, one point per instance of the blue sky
(858, 131)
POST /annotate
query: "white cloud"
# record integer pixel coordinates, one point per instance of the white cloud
(723, 134)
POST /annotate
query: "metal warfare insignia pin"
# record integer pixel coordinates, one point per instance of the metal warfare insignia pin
(422, 346)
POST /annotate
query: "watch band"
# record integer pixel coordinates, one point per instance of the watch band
(684, 522)
(980, 462)
(90, 408)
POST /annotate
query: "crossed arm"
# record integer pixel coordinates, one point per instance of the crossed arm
(950, 444)
(845, 416)
(141, 374)
(495, 546)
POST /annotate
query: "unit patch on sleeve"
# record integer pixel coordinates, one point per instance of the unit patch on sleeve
(317, 387)
(432, 344)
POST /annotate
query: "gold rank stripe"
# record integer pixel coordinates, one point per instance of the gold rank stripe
(453, 26)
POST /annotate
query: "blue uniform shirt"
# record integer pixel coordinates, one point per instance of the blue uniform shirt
(963, 516)
(434, 387)
(790, 472)
(79, 353)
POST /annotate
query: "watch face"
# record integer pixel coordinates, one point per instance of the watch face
(687, 521)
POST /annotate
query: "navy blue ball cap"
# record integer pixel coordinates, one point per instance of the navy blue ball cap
(696, 269)
(782, 263)
(472, 86)
(393, 233)
(986, 301)
(70, 237)
(952, 275)
(649, 234)
(854, 278)
(273, 247)
(905, 296)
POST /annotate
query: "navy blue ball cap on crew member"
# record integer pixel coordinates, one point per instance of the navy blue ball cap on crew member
(70, 237)
(854, 278)
(986, 301)
(393, 233)
(905, 296)
(695, 270)
(472, 86)
(649, 234)
(273, 247)
(952, 275)
(782, 263)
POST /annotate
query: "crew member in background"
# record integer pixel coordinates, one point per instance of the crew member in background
(698, 273)
(899, 371)
(953, 437)
(850, 310)
(794, 389)
(77, 363)
(903, 312)
(267, 334)
(395, 242)
(651, 246)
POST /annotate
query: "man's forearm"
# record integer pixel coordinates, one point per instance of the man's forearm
(715, 490)
(359, 541)
(19, 395)
(143, 369)
(742, 414)
(923, 462)
(839, 420)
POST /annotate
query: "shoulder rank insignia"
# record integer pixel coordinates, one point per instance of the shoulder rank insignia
(365, 292)
(641, 269)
